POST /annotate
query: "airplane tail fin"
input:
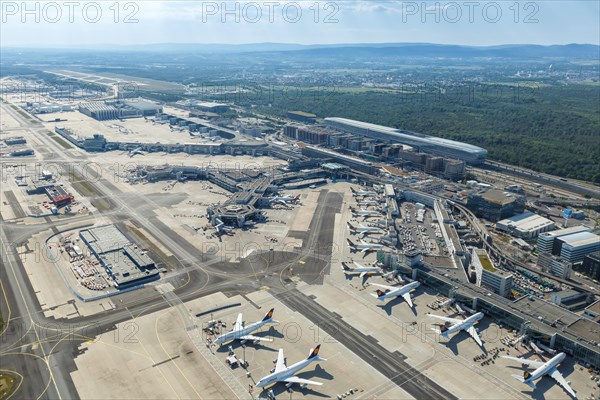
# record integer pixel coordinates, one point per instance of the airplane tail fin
(345, 267)
(352, 228)
(443, 331)
(380, 293)
(314, 354)
(269, 315)
(351, 243)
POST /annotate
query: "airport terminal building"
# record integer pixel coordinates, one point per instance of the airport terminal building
(542, 321)
(428, 144)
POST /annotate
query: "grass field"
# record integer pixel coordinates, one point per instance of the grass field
(8, 383)
(60, 141)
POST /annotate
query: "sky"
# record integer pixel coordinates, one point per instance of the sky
(478, 23)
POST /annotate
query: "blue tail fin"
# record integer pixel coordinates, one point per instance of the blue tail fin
(314, 353)
(268, 315)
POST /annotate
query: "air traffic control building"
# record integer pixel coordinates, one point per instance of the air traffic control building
(424, 143)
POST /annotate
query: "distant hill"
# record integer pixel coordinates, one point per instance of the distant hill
(425, 50)
(581, 51)
(585, 51)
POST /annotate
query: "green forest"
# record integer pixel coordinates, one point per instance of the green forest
(553, 129)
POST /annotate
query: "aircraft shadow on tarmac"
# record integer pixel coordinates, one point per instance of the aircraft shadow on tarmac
(452, 342)
(387, 307)
(318, 374)
(237, 345)
(364, 279)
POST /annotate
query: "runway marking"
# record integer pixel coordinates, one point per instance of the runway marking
(150, 357)
(51, 379)
(8, 308)
(168, 355)
(46, 359)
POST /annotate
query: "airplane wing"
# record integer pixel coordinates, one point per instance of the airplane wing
(447, 319)
(293, 379)
(255, 338)
(366, 249)
(406, 297)
(384, 286)
(557, 376)
(239, 324)
(471, 331)
(280, 366)
(530, 363)
(362, 274)
(357, 264)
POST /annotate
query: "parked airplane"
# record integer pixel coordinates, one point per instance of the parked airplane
(366, 213)
(363, 193)
(365, 230)
(282, 373)
(361, 270)
(242, 333)
(394, 291)
(364, 247)
(460, 324)
(543, 368)
(285, 200)
(222, 229)
(137, 150)
(364, 203)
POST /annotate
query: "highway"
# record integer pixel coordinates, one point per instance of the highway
(482, 232)
(546, 179)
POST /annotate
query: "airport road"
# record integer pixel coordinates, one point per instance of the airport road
(26, 344)
(391, 365)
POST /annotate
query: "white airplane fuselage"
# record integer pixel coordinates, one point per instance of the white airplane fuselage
(400, 291)
(286, 373)
(370, 229)
(544, 369)
(365, 230)
(365, 193)
(235, 335)
(463, 325)
(369, 246)
(361, 269)
(368, 214)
